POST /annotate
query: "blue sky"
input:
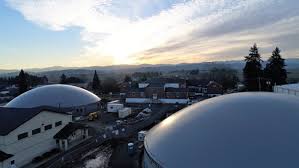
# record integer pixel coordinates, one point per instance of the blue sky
(24, 43)
(104, 32)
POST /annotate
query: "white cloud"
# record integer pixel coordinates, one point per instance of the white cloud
(114, 35)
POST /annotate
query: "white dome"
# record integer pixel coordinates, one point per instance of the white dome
(243, 130)
(54, 95)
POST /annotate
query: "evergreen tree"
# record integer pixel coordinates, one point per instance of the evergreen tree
(252, 71)
(22, 82)
(63, 79)
(275, 69)
(96, 83)
(127, 79)
(110, 85)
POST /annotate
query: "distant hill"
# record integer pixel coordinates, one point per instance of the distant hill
(56, 71)
(3, 71)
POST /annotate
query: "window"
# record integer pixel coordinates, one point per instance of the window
(23, 135)
(47, 127)
(36, 131)
(58, 123)
(12, 162)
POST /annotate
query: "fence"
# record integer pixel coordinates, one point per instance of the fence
(278, 89)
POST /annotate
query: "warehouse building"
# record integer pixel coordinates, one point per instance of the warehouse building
(28, 132)
(239, 130)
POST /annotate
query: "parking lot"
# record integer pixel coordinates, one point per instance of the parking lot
(108, 128)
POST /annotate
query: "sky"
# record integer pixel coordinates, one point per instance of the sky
(74, 33)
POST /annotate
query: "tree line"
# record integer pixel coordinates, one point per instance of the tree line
(67, 80)
(225, 76)
(109, 85)
(257, 78)
(24, 81)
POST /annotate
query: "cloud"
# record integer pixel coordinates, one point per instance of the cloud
(155, 31)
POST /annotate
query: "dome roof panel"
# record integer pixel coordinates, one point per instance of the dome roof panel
(57, 95)
(232, 131)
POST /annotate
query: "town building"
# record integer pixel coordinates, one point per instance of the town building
(159, 90)
(213, 89)
(117, 107)
(7, 93)
(114, 106)
(170, 91)
(236, 130)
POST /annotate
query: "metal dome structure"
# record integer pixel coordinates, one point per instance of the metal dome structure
(242, 130)
(56, 95)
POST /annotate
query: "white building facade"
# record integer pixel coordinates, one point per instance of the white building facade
(32, 138)
(29, 122)
(114, 106)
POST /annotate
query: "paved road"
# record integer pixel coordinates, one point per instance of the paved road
(124, 131)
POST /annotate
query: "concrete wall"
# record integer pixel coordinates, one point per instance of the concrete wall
(26, 149)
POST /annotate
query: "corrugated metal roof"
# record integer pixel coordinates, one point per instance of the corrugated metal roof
(239, 130)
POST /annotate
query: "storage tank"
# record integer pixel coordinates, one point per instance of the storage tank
(243, 130)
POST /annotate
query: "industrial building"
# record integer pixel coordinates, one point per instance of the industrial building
(117, 107)
(114, 106)
(238, 130)
(40, 120)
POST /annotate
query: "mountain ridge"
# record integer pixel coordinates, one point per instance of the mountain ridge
(292, 63)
